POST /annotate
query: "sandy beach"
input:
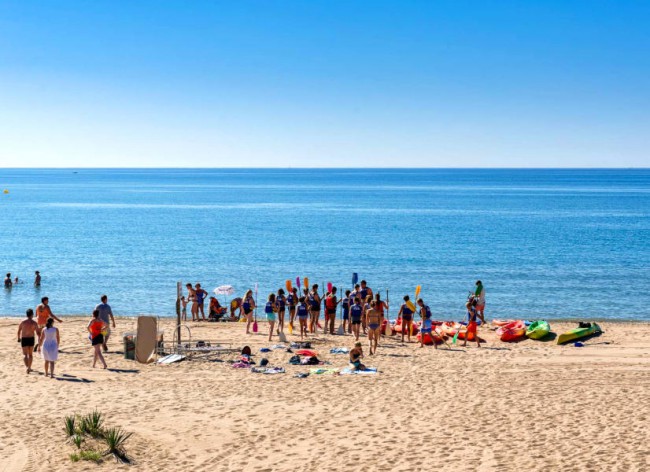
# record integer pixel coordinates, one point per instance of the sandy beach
(530, 405)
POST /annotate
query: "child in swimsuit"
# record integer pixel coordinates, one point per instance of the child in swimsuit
(303, 313)
(427, 325)
(269, 309)
(471, 325)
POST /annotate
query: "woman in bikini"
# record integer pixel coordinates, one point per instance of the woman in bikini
(406, 314)
(373, 321)
(191, 298)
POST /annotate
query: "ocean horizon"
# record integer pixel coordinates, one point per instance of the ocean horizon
(547, 243)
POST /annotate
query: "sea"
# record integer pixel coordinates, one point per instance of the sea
(546, 243)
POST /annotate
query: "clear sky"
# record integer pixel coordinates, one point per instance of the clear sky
(324, 83)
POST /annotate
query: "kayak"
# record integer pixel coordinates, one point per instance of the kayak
(579, 333)
(397, 328)
(501, 322)
(450, 329)
(512, 331)
(429, 340)
(538, 329)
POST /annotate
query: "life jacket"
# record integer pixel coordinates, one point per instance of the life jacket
(301, 310)
(345, 303)
(268, 308)
(330, 302)
(356, 311)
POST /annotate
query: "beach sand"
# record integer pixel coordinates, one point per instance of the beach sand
(526, 406)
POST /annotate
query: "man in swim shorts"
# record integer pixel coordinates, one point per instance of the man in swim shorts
(373, 321)
(106, 316)
(43, 313)
(26, 337)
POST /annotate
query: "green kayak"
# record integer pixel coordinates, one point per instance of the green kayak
(579, 333)
(538, 329)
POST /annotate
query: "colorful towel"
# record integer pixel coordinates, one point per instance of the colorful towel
(270, 370)
(324, 371)
(339, 350)
(368, 371)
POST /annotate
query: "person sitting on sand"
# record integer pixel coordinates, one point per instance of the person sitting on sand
(302, 312)
(406, 314)
(269, 310)
(215, 310)
(427, 325)
(356, 313)
(26, 337)
(248, 305)
(96, 327)
(471, 325)
(43, 313)
(50, 347)
(356, 354)
(373, 321)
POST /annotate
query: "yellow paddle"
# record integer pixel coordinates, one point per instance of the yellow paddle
(415, 300)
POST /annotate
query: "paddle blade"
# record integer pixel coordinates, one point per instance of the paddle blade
(340, 331)
(290, 328)
(255, 327)
(355, 278)
(287, 285)
(455, 338)
(306, 281)
(329, 287)
(417, 292)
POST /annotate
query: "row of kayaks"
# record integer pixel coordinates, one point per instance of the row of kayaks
(507, 330)
(512, 331)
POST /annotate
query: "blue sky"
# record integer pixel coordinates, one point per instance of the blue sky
(324, 83)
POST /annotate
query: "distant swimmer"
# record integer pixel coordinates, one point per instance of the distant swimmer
(37, 279)
(8, 281)
(26, 337)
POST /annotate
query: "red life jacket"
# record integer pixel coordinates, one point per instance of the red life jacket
(330, 303)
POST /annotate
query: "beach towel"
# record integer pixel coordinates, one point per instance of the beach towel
(269, 370)
(170, 359)
(306, 352)
(145, 341)
(241, 365)
(305, 345)
(339, 350)
(367, 371)
(324, 371)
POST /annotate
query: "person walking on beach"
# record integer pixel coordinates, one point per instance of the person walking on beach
(191, 298)
(8, 282)
(356, 354)
(302, 312)
(269, 310)
(314, 308)
(106, 315)
(330, 310)
(50, 347)
(26, 337)
(249, 306)
(96, 327)
(200, 295)
(479, 296)
(356, 313)
(406, 314)
(471, 325)
(373, 321)
(281, 304)
(427, 324)
(37, 279)
(43, 313)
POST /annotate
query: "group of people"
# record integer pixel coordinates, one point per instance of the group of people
(41, 334)
(9, 282)
(196, 297)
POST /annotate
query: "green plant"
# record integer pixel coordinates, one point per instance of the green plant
(91, 424)
(70, 425)
(115, 439)
(75, 457)
(93, 456)
(77, 440)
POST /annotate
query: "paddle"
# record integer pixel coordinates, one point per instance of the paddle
(255, 315)
(441, 336)
(455, 338)
(417, 294)
(289, 288)
(389, 328)
(325, 314)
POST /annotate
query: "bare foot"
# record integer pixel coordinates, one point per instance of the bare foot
(105, 366)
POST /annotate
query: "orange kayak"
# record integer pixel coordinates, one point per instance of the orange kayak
(512, 331)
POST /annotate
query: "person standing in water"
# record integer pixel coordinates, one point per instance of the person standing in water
(8, 282)
(96, 327)
(50, 347)
(479, 296)
(26, 337)
(106, 315)
(43, 313)
(37, 279)
(373, 322)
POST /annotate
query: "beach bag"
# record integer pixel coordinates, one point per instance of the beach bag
(295, 360)
(264, 362)
(246, 351)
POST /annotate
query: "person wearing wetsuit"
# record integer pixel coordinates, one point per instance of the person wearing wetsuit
(302, 312)
(373, 321)
(356, 313)
(406, 314)
(8, 282)
(248, 305)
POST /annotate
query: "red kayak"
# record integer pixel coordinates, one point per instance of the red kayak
(512, 331)
(397, 328)
(429, 339)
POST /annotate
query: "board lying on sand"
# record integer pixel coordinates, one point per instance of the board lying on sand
(579, 333)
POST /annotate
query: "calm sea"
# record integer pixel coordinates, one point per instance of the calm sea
(545, 243)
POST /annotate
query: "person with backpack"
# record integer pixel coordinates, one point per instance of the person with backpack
(331, 303)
